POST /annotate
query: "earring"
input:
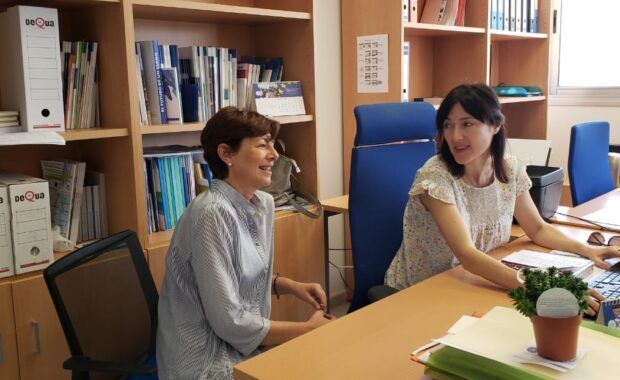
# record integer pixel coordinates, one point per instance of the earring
(229, 163)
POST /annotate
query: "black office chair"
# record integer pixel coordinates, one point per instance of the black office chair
(106, 301)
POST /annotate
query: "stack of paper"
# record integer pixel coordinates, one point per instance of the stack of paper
(496, 341)
(525, 258)
(9, 120)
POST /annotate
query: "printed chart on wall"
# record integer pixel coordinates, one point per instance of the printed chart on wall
(372, 63)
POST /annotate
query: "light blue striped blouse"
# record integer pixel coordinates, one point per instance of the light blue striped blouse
(216, 296)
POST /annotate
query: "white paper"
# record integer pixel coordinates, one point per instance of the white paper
(530, 355)
(372, 63)
(29, 138)
(535, 259)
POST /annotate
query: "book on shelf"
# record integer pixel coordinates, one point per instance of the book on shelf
(444, 12)
(151, 62)
(66, 187)
(80, 85)
(207, 79)
(172, 178)
(171, 95)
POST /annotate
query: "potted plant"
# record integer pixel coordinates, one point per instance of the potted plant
(556, 337)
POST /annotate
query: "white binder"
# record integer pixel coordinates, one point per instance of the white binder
(30, 72)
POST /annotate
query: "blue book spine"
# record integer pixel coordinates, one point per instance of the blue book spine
(160, 87)
(493, 14)
(164, 192)
(206, 172)
(179, 199)
(500, 14)
(184, 180)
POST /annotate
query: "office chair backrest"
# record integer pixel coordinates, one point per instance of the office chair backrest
(106, 301)
(588, 162)
(393, 141)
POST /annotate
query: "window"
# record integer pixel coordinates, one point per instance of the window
(585, 51)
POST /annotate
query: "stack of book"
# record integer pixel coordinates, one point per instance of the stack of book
(93, 213)
(444, 12)
(8, 121)
(66, 184)
(77, 199)
(173, 175)
(190, 84)
(80, 88)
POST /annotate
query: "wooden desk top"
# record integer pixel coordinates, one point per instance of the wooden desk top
(376, 341)
(337, 204)
(604, 210)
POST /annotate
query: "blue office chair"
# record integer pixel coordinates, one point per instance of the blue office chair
(588, 163)
(106, 302)
(393, 141)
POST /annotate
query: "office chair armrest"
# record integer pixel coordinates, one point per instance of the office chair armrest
(379, 292)
(84, 364)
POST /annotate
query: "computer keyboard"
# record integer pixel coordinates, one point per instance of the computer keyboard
(608, 282)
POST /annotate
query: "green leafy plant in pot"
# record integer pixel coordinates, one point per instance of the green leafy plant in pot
(556, 335)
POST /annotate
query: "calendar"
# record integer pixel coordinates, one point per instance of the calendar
(279, 98)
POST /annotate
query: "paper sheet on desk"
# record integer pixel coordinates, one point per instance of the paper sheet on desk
(31, 138)
(535, 259)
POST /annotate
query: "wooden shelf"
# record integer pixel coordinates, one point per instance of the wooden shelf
(521, 99)
(193, 127)
(504, 35)
(432, 30)
(193, 11)
(159, 239)
(172, 128)
(436, 101)
(293, 119)
(93, 133)
(162, 238)
(56, 3)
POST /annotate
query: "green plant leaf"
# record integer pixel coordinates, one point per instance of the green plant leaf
(537, 281)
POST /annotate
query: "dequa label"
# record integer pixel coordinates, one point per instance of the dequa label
(29, 196)
(39, 22)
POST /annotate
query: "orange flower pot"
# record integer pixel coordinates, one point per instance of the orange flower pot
(556, 338)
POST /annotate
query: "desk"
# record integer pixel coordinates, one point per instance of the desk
(376, 341)
(603, 210)
(331, 207)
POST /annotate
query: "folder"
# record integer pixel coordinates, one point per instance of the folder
(504, 332)
(30, 78)
(494, 14)
(532, 9)
(413, 11)
(405, 72)
(434, 11)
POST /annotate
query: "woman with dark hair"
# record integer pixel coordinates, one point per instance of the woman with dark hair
(216, 296)
(462, 201)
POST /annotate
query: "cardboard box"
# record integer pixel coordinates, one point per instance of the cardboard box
(30, 74)
(6, 241)
(30, 221)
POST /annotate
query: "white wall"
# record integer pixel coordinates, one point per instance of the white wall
(561, 118)
(327, 63)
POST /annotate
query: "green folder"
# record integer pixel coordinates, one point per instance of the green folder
(452, 363)
(464, 365)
